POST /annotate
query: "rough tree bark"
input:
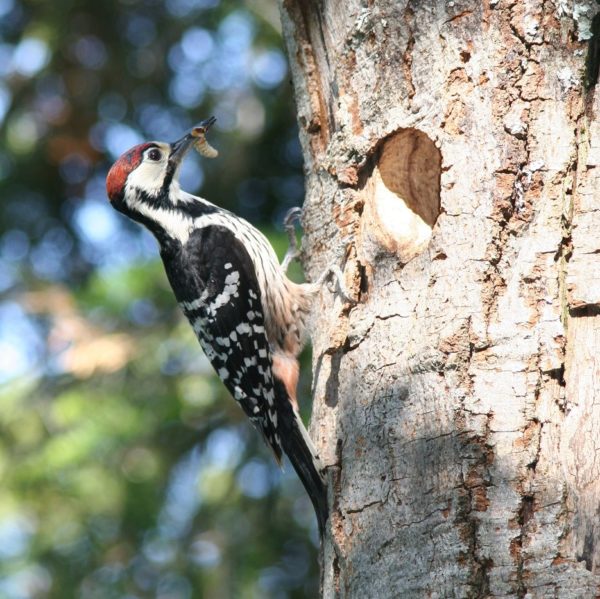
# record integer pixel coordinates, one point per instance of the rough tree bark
(452, 161)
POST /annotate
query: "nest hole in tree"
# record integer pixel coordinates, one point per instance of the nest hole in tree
(404, 198)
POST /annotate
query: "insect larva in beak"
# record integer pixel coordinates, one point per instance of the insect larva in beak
(201, 145)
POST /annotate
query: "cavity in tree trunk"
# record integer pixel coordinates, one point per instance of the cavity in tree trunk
(452, 153)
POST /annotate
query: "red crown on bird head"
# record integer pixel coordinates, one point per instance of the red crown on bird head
(119, 171)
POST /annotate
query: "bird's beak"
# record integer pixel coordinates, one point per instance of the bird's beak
(205, 125)
(181, 147)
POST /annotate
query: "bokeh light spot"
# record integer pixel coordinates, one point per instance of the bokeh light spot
(250, 116)
(224, 448)
(254, 479)
(269, 69)
(30, 56)
(20, 342)
(14, 245)
(118, 138)
(95, 220)
(140, 30)
(90, 52)
(6, 6)
(197, 44)
(183, 8)
(22, 133)
(205, 553)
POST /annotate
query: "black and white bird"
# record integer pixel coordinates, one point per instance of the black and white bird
(249, 318)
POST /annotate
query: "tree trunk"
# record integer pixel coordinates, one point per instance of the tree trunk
(452, 152)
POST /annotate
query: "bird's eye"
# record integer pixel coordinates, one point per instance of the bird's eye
(154, 154)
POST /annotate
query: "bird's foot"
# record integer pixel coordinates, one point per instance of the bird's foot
(292, 215)
(333, 276)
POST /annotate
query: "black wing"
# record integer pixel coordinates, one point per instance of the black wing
(229, 322)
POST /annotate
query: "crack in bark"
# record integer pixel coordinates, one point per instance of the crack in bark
(358, 510)
(475, 500)
(407, 56)
(564, 251)
(338, 536)
(300, 14)
(420, 520)
(524, 515)
(460, 15)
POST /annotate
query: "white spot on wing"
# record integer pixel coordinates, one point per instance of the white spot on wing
(230, 290)
(233, 278)
(196, 304)
(243, 328)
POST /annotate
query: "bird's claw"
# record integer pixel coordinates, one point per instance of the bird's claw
(291, 216)
(332, 276)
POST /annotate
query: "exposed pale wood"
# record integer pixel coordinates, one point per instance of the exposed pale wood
(457, 404)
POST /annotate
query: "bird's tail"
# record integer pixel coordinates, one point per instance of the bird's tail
(303, 456)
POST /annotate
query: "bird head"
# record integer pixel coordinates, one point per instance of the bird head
(147, 174)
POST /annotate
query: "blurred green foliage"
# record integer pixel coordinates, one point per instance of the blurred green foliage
(126, 470)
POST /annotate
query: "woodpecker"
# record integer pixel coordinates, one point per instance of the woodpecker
(249, 318)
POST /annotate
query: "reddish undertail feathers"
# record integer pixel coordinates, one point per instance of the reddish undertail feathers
(249, 318)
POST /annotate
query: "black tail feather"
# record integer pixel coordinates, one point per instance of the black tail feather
(299, 449)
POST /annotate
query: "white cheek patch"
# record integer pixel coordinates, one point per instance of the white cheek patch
(148, 176)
